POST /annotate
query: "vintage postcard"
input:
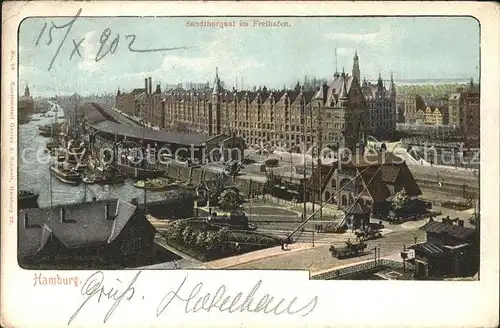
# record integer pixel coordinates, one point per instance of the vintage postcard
(228, 164)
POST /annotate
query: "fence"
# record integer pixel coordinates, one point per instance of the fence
(365, 267)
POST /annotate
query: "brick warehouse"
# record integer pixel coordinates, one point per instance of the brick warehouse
(262, 116)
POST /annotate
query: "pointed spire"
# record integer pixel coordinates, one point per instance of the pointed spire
(319, 94)
(216, 89)
(343, 91)
(356, 55)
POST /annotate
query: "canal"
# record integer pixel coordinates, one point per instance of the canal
(34, 174)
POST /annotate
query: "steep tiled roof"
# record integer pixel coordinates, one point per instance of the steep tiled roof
(74, 225)
(336, 86)
(389, 173)
(458, 232)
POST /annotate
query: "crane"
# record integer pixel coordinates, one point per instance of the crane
(335, 194)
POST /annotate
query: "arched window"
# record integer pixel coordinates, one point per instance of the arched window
(334, 183)
(344, 200)
(327, 197)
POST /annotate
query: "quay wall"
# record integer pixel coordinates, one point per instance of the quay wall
(197, 175)
(249, 187)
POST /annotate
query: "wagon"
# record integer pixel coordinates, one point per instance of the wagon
(350, 250)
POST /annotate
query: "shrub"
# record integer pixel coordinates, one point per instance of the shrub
(229, 200)
(200, 240)
(188, 236)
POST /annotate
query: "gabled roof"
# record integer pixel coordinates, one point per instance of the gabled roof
(74, 225)
(389, 173)
(429, 249)
(335, 88)
(458, 232)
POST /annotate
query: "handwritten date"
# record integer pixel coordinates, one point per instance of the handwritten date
(108, 44)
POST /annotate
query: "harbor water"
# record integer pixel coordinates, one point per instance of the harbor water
(34, 173)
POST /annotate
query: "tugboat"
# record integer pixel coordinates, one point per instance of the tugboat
(66, 174)
(27, 199)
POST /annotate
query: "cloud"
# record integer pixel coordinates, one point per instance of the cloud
(89, 49)
(223, 50)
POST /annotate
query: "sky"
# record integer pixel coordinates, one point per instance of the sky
(411, 48)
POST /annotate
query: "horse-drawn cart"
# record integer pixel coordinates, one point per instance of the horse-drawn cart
(368, 234)
(350, 250)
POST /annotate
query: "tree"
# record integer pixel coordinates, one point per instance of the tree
(229, 200)
(400, 200)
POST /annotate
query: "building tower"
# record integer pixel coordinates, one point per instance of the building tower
(355, 68)
(27, 91)
(380, 87)
(216, 98)
(392, 90)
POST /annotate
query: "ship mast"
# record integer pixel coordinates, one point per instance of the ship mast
(145, 187)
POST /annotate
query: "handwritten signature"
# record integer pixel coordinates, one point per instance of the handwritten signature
(196, 299)
(106, 46)
(94, 286)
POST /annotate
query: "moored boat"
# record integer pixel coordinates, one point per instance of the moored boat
(65, 174)
(153, 184)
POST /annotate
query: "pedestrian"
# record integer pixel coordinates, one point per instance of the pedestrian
(282, 244)
(175, 265)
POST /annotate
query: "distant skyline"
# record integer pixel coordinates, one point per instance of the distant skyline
(422, 48)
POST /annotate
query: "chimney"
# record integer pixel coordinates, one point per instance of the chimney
(325, 90)
(146, 85)
(63, 215)
(150, 86)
